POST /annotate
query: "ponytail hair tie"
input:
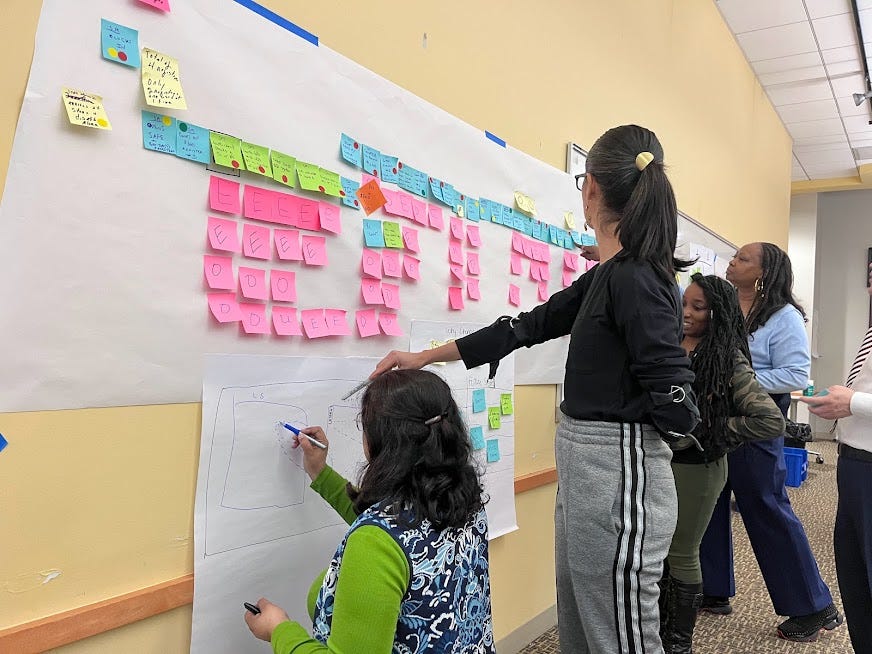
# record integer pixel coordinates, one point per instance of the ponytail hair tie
(433, 420)
(643, 159)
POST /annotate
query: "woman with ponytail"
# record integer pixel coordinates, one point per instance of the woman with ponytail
(627, 398)
(411, 574)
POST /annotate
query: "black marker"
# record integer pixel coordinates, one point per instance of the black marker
(251, 607)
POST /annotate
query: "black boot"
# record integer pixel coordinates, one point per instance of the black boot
(663, 602)
(684, 600)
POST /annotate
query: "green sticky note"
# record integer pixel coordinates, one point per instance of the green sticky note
(330, 182)
(493, 417)
(310, 176)
(506, 404)
(393, 238)
(283, 168)
(256, 159)
(477, 437)
(226, 150)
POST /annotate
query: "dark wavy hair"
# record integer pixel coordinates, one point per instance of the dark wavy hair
(642, 203)
(776, 287)
(424, 471)
(714, 358)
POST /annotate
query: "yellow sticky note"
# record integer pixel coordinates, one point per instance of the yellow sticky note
(283, 168)
(393, 238)
(330, 183)
(310, 176)
(226, 150)
(493, 417)
(525, 203)
(569, 219)
(256, 159)
(506, 407)
(85, 109)
(161, 81)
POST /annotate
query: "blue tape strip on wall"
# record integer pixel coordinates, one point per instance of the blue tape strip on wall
(3, 442)
(496, 139)
(278, 20)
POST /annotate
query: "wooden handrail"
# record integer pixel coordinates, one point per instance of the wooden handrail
(92, 619)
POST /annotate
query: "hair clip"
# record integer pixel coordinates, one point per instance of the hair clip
(433, 420)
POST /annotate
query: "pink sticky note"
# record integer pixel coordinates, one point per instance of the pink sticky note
(367, 323)
(328, 214)
(456, 228)
(515, 295)
(224, 234)
(389, 324)
(455, 252)
(287, 243)
(412, 266)
(254, 318)
(285, 321)
(544, 272)
(366, 178)
(314, 250)
(336, 323)
(589, 264)
(516, 263)
(286, 208)
(473, 236)
(472, 266)
(259, 203)
(371, 264)
(391, 263)
(455, 297)
(392, 203)
(283, 285)
(223, 195)
(457, 273)
(517, 242)
(405, 202)
(309, 216)
(534, 271)
(391, 294)
(543, 291)
(568, 278)
(529, 248)
(314, 323)
(570, 261)
(472, 290)
(219, 272)
(370, 290)
(252, 283)
(419, 212)
(435, 215)
(410, 238)
(255, 241)
(224, 307)
(163, 5)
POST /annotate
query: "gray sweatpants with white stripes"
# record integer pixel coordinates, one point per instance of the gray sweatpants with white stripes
(616, 511)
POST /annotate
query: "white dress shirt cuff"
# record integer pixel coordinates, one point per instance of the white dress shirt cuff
(861, 404)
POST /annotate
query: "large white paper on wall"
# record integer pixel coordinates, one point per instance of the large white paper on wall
(103, 241)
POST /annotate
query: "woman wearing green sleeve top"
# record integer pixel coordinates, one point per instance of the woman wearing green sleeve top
(411, 574)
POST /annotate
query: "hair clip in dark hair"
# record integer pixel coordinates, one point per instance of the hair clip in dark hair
(433, 420)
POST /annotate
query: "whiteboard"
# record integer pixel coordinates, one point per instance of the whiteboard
(105, 240)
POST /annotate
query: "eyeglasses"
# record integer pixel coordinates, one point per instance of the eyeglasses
(579, 180)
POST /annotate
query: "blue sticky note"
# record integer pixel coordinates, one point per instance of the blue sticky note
(567, 240)
(388, 166)
(349, 188)
(552, 234)
(476, 435)
(423, 182)
(350, 150)
(576, 237)
(373, 235)
(192, 142)
(493, 450)
(158, 132)
(528, 226)
(410, 179)
(436, 188)
(472, 209)
(478, 400)
(537, 231)
(4, 442)
(518, 222)
(119, 43)
(371, 160)
(450, 196)
(587, 239)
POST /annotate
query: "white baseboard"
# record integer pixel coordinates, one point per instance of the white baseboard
(528, 632)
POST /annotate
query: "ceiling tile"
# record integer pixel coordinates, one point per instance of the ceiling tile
(861, 143)
(834, 31)
(747, 15)
(841, 157)
(821, 8)
(799, 92)
(808, 128)
(857, 125)
(779, 64)
(782, 41)
(866, 24)
(844, 67)
(798, 177)
(793, 75)
(824, 172)
(848, 53)
(793, 113)
(823, 141)
(864, 4)
(848, 108)
(847, 85)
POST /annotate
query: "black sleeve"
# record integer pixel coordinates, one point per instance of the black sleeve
(550, 320)
(647, 314)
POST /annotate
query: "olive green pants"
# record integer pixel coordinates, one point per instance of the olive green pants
(698, 487)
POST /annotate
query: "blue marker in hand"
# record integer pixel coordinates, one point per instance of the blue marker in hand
(297, 432)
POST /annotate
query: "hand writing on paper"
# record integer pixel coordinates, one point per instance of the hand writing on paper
(832, 406)
(263, 624)
(314, 458)
(590, 252)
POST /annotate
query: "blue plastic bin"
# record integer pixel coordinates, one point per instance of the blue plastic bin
(796, 460)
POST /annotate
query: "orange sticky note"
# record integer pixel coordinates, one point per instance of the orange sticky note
(285, 321)
(455, 297)
(283, 285)
(516, 263)
(224, 234)
(224, 307)
(515, 295)
(455, 252)
(435, 215)
(410, 238)
(391, 295)
(287, 243)
(254, 318)
(472, 290)
(543, 291)
(371, 264)
(255, 241)
(314, 250)
(391, 263)
(329, 216)
(223, 195)
(336, 323)
(371, 197)
(472, 266)
(367, 323)
(219, 272)
(252, 283)
(411, 266)
(457, 228)
(473, 236)
(314, 323)
(389, 324)
(370, 290)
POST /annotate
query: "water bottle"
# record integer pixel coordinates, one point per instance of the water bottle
(809, 390)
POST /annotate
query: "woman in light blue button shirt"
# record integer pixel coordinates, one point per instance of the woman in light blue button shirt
(762, 274)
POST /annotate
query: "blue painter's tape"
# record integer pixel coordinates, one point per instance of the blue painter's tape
(3, 442)
(493, 137)
(278, 20)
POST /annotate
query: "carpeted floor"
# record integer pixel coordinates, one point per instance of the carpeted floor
(751, 627)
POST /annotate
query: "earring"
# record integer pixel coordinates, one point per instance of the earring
(758, 286)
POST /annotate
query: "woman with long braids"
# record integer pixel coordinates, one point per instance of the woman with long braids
(733, 409)
(763, 277)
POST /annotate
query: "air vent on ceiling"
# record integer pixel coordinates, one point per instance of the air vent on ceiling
(861, 154)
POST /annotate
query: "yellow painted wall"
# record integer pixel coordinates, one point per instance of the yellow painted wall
(105, 496)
